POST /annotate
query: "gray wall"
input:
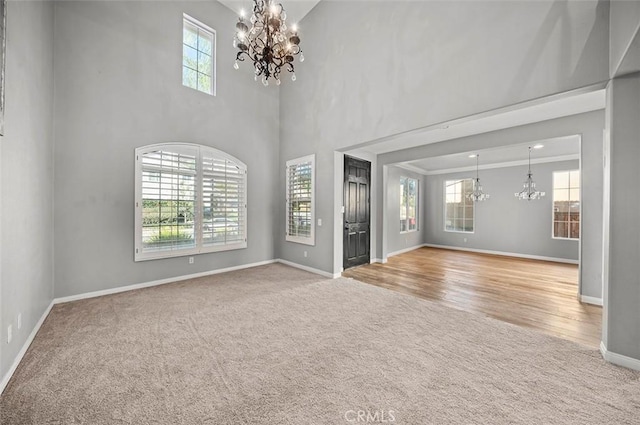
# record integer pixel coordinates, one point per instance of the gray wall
(398, 241)
(621, 316)
(590, 126)
(373, 75)
(625, 21)
(118, 86)
(504, 223)
(26, 175)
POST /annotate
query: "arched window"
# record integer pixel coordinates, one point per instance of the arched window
(190, 199)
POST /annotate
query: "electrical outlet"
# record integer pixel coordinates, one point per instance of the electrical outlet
(9, 334)
(191, 260)
(465, 239)
(19, 321)
(319, 222)
(305, 254)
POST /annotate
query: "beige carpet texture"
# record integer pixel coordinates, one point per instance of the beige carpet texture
(276, 345)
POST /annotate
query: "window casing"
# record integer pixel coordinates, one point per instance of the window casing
(189, 199)
(566, 204)
(458, 208)
(408, 204)
(198, 56)
(300, 187)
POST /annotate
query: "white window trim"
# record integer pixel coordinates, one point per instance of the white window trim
(444, 209)
(553, 187)
(312, 236)
(139, 254)
(402, 232)
(214, 56)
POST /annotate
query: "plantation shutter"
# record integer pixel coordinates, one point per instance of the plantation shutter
(299, 199)
(190, 199)
(168, 199)
(224, 201)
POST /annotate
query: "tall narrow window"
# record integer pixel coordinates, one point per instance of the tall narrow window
(459, 209)
(566, 204)
(300, 176)
(408, 204)
(190, 199)
(198, 56)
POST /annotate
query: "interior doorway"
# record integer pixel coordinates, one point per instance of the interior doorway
(357, 212)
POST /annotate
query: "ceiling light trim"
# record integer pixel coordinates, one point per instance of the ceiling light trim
(559, 158)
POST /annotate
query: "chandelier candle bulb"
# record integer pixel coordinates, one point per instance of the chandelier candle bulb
(269, 44)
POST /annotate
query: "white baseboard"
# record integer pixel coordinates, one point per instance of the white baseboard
(591, 300)
(156, 282)
(402, 251)
(619, 359)
(25, 347)
(506, 254)
(377, 260)
(309, 269)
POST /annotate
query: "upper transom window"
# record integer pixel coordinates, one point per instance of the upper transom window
(198, 56)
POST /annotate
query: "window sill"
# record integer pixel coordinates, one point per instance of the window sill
(303, 241)
(163, 254)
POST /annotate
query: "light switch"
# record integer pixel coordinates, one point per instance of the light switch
(319, 222)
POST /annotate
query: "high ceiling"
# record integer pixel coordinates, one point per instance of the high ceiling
(516, 115)
(296, 9)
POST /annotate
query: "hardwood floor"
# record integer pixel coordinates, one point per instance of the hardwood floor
(532, 293)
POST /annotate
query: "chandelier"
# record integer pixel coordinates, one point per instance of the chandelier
(477, 195)
(270, 44)
(529, 191)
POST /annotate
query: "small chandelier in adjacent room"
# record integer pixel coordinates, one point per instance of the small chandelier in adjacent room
(529, 191)
(477, 195)
(269, 44)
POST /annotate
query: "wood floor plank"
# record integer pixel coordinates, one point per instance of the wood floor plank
(538, 294)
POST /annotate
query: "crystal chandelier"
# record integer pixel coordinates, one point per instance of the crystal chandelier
(270, 44)
(477, 195)
(529, 191)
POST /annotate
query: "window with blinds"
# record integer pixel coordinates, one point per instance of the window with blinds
(300, 176)
(190, 199)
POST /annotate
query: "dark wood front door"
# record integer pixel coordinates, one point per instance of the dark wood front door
(357, 189)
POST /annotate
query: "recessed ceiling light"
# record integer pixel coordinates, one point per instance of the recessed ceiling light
(538, 146)
(473, 155)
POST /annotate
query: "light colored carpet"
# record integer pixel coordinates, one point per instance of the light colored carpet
(275, 345)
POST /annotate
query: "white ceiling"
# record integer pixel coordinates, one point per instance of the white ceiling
(561, 148)
(296, 9)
